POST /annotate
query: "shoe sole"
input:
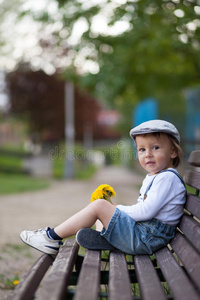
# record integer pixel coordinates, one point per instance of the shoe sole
(91, 239)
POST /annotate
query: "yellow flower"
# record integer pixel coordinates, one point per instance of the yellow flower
(15, 282)
(104, 191)
(97, 194)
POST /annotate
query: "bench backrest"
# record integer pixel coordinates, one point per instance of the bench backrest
(186, 243)
(184, 282)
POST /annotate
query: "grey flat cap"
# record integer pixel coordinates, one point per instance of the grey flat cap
(156, 126)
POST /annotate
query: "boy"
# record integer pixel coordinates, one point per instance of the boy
(137, 229)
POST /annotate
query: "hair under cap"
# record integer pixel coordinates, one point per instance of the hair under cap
(156, 126)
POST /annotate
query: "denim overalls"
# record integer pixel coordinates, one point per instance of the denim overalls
(143, 237)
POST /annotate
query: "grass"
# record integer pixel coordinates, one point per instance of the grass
(190, 189)
(86, 173)
(82, 170)
(10, 163)
(9, 283)
(10, 253)
(12, 184)
(16, 250)
(12, 180)
(13, 162)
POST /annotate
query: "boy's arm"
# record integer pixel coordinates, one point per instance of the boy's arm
(164, 189)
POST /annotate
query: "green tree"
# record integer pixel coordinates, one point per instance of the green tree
(141, 48)
(157, 55)
(9, 14)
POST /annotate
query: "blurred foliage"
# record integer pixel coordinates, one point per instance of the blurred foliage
(157, 55)
(13, 176)
(147, 48)
(84, 168)
(8, 10)
(39, 99)
(10, 162)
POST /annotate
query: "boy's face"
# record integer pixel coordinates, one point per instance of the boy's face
(155, 153)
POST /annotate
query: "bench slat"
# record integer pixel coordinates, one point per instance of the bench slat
(194, 158)
(119, 279)
(89, 278)
(150, 286)
(55, 284)
(176, 278)
(193, 205)
(188, 256)
(192, 178)
(191, 228)
(27, 287)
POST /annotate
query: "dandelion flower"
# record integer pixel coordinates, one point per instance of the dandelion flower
(15, 282)
(104, 191)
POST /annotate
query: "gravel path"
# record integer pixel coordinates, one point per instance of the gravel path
(49, 208)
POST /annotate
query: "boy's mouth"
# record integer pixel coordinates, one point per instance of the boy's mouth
(150, 163)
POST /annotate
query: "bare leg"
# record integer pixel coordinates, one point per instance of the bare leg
(99, 209)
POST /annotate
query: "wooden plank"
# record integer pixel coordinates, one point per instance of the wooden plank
(27, 287)
(55, 284)
(179, 284)
(89, 278)
(194, 158)
(189, 257)
(193, 205)
(192, 178)
(150, 286)
(191, 229)
(119, 279)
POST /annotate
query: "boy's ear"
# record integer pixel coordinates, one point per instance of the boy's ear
(174, 153)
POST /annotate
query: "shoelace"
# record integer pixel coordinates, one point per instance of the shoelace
(39, 230)
(42, 229)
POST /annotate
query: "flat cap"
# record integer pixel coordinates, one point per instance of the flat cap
(156, 126)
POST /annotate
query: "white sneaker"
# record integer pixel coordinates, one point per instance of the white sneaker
(39, 240)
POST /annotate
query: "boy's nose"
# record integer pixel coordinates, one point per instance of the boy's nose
(148, 153)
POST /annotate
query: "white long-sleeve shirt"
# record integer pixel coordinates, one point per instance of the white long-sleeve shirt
(165, 199)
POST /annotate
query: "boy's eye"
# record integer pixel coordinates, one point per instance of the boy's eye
(156, 147)
(141, 150)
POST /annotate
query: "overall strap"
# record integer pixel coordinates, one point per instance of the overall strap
(177, 174)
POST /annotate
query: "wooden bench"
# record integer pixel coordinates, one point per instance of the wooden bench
(171, 273)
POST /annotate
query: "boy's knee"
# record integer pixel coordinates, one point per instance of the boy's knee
(100, 204)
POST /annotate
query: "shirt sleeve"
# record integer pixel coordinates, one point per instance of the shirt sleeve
(162, 191)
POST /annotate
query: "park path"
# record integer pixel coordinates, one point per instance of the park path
(51, 206)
